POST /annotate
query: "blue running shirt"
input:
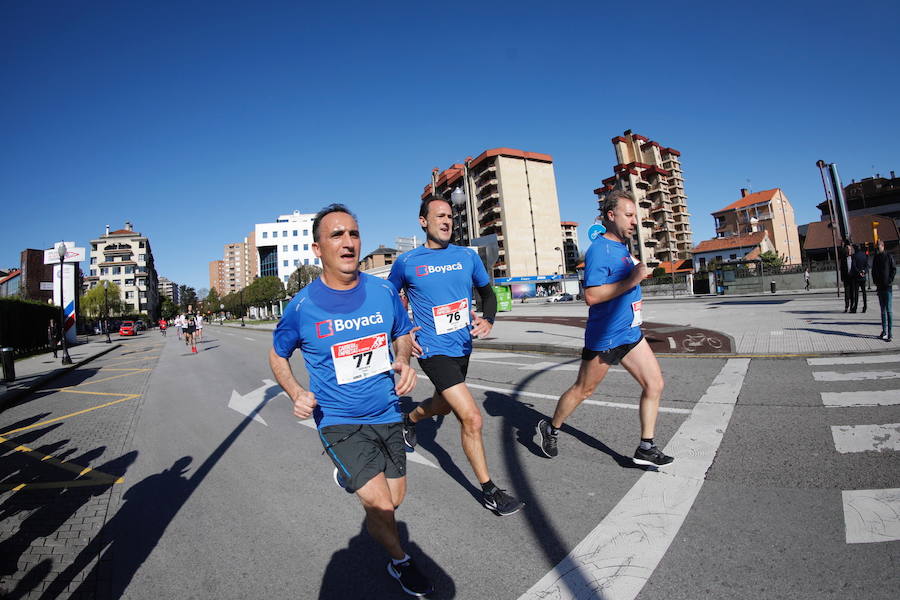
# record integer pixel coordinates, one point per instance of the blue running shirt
(345, 337)
(617, 321)
(439, 286)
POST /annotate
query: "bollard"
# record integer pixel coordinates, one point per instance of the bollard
(772, 286)
(7, 357)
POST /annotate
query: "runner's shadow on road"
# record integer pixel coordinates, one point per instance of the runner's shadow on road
(426, 437)
(832, 332)
(360, 570)
(523, 418)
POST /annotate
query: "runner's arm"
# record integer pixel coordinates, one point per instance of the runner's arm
(407, 379)
(606, 292)
(304, 400)
(481, 326)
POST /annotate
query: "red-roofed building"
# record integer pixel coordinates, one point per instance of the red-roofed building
(768, 210)
(735, 247)
(511, 193)
(652, 174)
(124, 257)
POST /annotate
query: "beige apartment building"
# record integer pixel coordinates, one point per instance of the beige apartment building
(168, 289)
(768, 210)
(237, 269)
(652, 174)
(570, 245)
(380, 257)
(510, 193)
(124, 257)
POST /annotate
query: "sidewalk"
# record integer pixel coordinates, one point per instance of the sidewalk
(33, 372)
(782, 324)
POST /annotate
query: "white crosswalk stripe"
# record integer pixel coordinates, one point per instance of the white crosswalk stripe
(870, 516)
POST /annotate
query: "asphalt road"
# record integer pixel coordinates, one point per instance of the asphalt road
(215, 504)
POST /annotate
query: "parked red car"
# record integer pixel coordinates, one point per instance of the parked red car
(127, 328)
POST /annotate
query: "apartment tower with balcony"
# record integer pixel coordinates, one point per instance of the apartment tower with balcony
(510, 193)
(652, 174)
(124, 257)
(570, 245)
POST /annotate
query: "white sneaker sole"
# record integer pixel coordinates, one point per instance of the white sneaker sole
(647, 463)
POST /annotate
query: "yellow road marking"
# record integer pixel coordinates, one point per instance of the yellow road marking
(74, 414)
(74, 391)
(123, 369)
(95, 478)
(107, 378)
(131, 360)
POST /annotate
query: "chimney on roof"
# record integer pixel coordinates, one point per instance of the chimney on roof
(877, 175)
(128, 226)
(107, 230)
(744, 192)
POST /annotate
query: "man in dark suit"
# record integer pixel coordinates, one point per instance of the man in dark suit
(846, 269)
(860, 266)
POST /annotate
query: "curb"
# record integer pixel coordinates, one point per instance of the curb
(11, 396)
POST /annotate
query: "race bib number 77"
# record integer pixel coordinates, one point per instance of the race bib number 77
(451, 317)
(360, 358)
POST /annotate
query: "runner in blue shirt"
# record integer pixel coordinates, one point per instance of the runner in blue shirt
(612, 282)
(438, 279)
(344, 323)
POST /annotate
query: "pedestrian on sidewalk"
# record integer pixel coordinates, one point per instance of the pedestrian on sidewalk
(806, 278)
(344, 323)
(52, 336)
(860, 274)
(438, 278)
(883, 272)
(848, 279)
(612, 282)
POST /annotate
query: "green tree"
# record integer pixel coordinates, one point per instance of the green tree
(167, 308)
(187, 296)
(771, 260)
(94, 303)
(302, 277)
(264, 291)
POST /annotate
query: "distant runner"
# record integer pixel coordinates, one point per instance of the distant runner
(344, 323)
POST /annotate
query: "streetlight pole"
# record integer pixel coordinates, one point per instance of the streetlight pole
(106, 310)
(61, 251)
(562, 269)
(242, 307)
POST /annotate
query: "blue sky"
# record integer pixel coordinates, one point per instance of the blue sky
(195, 120)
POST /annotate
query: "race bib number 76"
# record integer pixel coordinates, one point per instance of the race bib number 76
(360, 358)
(451, 317)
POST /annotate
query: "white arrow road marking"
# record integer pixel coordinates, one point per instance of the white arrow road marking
(413, 456)
(866, 438)
(872, 515)
(617, 558)
(249, 404)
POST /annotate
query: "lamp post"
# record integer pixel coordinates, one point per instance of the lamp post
(562, 268)
(61, 252)
(242, 307)
(106, 310)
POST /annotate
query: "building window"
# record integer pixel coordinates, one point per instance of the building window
(306, 246)
(286, 277)
(296, 262)
(284, 233)
(265, 234)
(316, 261)
(93, 260)
(274, 234)
(117, 270)
(129, 282)
(295, 233)
(296, 247)
(268, 262)
(284, 248)
(732, 257)
(285, 263)
(93, 272)
(142, 257)
(104, 270)
(306, 232)
(129, 295)
(140, 244)
(94, 247)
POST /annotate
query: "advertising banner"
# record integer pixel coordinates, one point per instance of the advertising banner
(68, 297)
(504, 298)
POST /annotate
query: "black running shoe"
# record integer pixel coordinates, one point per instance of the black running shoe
(548, 439)
(652, 457)
(501, 503)
(409, 433)
(410, 577)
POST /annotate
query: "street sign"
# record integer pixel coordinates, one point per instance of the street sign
(73, 254)
(46, 286)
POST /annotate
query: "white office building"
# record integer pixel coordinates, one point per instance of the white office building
(284, 245)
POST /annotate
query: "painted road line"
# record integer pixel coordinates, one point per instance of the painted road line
(879, 398)
(672, 345)
(94, 477)
(866, 438)
(514, 393)
(872, 515)
(853, 360)
(74, 414)
(249, 338)
(617, 558)
(857, 376)
(413, 456)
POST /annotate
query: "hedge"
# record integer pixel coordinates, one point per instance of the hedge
(23, 324)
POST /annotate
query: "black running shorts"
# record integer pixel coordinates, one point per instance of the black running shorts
(360, 452)
(445, 371)
(613, 356)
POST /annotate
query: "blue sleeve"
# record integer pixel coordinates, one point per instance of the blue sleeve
(286, 337)
(402, 324)
(479, 274)
(396, 276)
(595, 271)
